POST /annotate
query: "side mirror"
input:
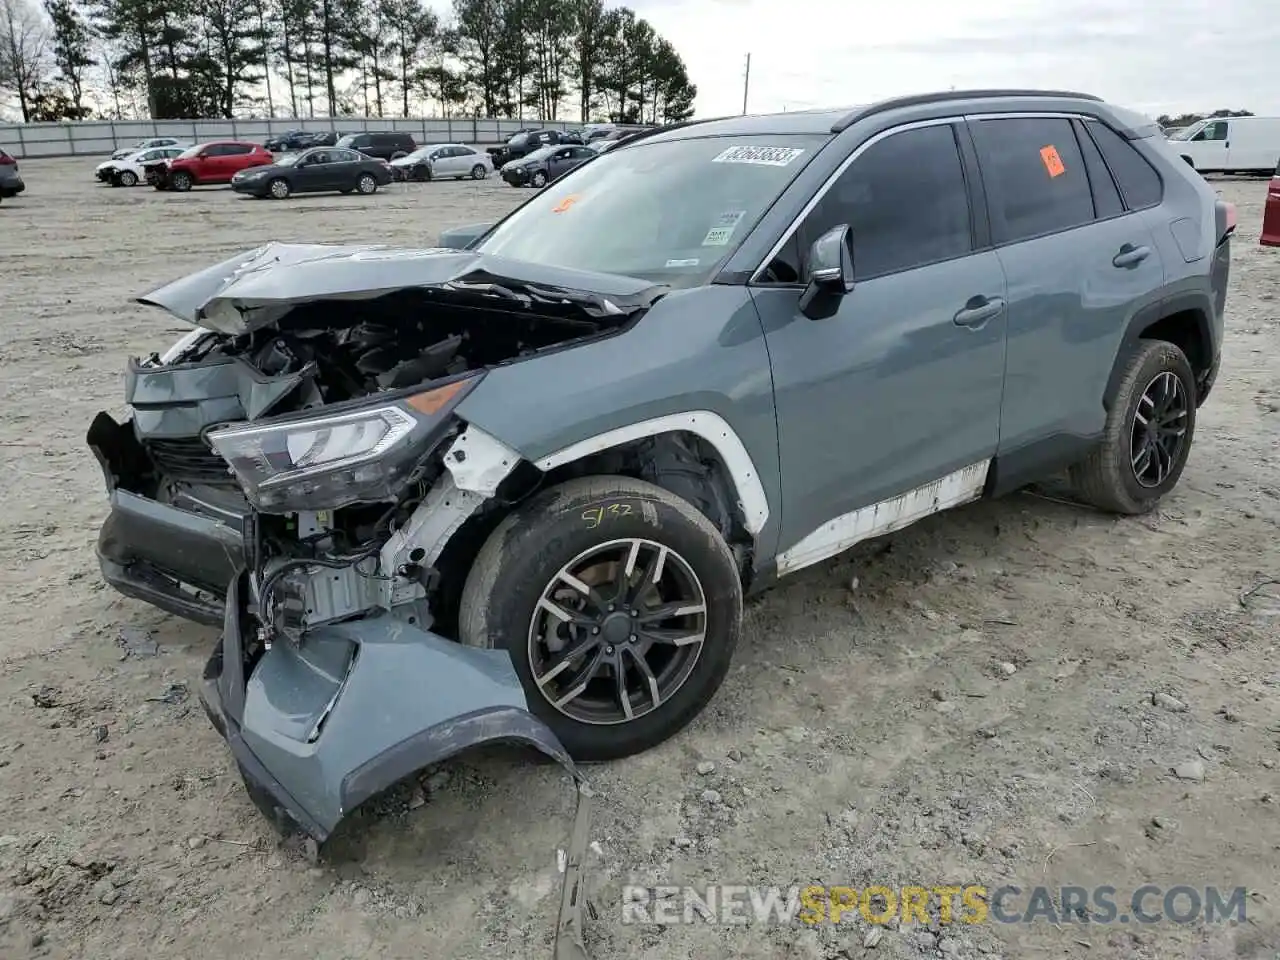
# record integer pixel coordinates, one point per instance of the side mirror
(829, 272)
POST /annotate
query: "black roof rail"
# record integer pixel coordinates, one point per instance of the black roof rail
(919, 99)
(661, 128)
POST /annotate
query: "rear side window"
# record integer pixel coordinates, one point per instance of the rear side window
(1139, 183)
(906, 201)
(1035, 177)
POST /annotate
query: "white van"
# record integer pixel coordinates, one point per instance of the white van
(1230, 144)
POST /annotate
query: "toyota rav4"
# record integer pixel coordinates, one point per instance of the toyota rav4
(519, 488)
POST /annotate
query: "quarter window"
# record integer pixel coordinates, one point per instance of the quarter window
(1035, 177)
(1139, 183)
(1106, 198)
(905, 200)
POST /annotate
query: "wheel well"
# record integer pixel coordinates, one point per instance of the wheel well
(1188, 331)
(678, 461)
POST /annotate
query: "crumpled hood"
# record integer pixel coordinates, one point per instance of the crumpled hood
(256, 288)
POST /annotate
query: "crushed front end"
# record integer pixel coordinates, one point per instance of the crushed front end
(293, 471)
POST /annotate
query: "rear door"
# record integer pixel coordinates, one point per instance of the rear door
(1079, 263)
(448, 163)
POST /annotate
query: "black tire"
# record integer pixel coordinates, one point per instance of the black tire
(367, 184)
(478, 172)
(539, 179)
(127, 178)
(1108, 478)
(181, 181)
(279, 188)
(422, 172)
(522, 557)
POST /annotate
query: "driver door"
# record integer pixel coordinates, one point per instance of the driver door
(888, 403)
(559, 162)
(1211, 144)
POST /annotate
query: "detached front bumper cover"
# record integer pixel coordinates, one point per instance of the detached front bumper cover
(319, 728)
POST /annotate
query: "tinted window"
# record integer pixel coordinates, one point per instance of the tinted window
(1106, 198)
(1139, 182)
(906, 201)
(236, 149)
(1034, 175)
(343, 156)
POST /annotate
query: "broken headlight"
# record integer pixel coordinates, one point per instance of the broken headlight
(354, 454)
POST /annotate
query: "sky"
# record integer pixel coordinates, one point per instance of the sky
(1160, 56)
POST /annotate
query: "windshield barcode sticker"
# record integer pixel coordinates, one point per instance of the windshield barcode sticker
(766, 156)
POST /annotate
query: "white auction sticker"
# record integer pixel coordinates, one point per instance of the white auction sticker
(717, 236)
(766, 156)
(682, 263)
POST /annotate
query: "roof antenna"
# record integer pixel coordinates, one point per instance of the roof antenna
(746, 83)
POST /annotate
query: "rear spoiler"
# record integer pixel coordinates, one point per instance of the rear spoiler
(1224, 214)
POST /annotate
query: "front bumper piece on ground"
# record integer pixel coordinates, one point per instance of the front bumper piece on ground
(319, 728)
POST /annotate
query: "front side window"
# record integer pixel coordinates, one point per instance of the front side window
(905, 200)
(236, 149)
(1217, 130)
(669, 211)
(1035, 177)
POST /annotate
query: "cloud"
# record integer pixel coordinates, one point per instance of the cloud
(1169, 56)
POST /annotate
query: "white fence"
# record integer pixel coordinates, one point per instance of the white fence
(96, 137)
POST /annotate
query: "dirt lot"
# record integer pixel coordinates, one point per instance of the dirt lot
(966, 702)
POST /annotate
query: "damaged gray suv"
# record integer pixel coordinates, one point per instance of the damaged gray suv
(517, 486)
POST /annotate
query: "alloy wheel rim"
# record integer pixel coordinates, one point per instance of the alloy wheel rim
(280, 189)
(617, 631)
(1158, 434)
(366, 184)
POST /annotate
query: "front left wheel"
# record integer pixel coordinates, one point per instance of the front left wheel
(619, 605)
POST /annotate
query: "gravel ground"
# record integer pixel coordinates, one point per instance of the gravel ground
(967, 701)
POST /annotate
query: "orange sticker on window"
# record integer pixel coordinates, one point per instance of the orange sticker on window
(565, 204)
(1052, 162)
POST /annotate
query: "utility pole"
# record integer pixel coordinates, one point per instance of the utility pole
(746, 85)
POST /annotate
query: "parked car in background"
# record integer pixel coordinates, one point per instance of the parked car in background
(439, 161)
(206, 163)
(147, 145)
(318, 170)
(300, 140)
(131, 170)
(1230, 144)
(542, 166)
(612, 131)
(524, 143)
(11, 183)
(1271, 212)
(390, 145)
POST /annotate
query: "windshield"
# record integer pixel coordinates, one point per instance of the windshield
(1186, 133)
(669, 212)
(346, 141)
(540, 154)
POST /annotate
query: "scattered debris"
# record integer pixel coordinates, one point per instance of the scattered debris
(1190, 770)
(136, 642)
(100, 733)
(711, 797)
(705, 768)
(47, 697)
(1166, 702)
(1008, 669)
(873, 937)
(177, 693)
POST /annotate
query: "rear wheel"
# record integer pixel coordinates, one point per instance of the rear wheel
(1148, 433)
(279, 188)
(478, 172)
(619, 605)
(367, 184)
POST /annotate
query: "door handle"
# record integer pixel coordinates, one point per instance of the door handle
(1130, 256)
(978, 311)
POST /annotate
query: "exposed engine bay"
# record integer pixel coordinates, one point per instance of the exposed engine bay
(255, 422)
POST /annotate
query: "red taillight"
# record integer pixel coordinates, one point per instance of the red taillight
(1224, 215)
(7, 161)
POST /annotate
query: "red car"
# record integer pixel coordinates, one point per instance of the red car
(214, 162)
(1271, 213)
